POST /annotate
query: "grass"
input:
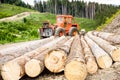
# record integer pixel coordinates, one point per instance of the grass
(86, 24)
(7, 10)
(24, 30)
(27, 29)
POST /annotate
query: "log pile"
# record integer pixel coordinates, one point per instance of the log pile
(113, 51)
(102, 58)
(75, 68)
(76, 56)
(91, 64)
(14, 69)
(111, 37)
(16, 51)
(55, 59)
(36, 65)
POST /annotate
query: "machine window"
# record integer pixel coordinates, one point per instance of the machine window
(59, 19)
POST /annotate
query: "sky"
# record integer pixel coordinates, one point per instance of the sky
(114, 2)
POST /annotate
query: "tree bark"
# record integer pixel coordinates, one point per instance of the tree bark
(10, 53)
(75, 68)
(90, 60)
(14, 69)
(86, 10)
(55, 6)
(55, 59)
(103, 59)
(114, 38)
(113, 51)
(36, 65)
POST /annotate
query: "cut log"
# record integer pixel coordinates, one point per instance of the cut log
(14, 69)
(75, 68)
(113, 51)
(90, 60)
(10, 53)
(55, 59)
(103, 59)
(114, 38)
(35, 66)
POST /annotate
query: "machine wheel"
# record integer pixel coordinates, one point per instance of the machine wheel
(73, 31)
(42, 37)
(60, 32)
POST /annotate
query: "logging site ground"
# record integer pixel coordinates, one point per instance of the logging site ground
(19, 35)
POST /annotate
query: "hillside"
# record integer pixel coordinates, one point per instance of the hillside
(112, 24)
(27, 28)
(7, 10)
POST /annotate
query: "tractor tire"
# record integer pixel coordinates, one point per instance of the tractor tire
(60, 32)
(73, 31)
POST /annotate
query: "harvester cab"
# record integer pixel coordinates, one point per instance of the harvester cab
(65, 25)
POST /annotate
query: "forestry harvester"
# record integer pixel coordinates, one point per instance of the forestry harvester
(65, 25)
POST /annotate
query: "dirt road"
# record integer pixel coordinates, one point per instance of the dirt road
(17, 17)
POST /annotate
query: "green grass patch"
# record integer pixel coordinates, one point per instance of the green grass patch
(24, 30)
(7, 10)
(86, 24)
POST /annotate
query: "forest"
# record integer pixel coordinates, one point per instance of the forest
(77, 8)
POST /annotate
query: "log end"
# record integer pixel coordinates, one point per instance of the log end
(116, 54)
(75, 70)
(55, 61)
(91, 66)
(11, 71)
(104, 61)
(33, 68)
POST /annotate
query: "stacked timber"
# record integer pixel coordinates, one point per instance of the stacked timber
(108, 36)
(15, 51)
(14, 69)
(102, 58)
(113, 51)
(36, 65)
(75, 68)
(91, 64)
(55, 59)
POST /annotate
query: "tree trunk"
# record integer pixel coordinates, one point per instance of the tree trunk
(10, 53)
(55, 6)
(14, 69)
(75, 68)
(90, 60)
(103, 59)
(86, 10)
(113, 51)
(35, 66)
(108, 36)
(55, 59)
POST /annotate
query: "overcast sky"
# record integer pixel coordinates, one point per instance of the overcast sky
(114, 2)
